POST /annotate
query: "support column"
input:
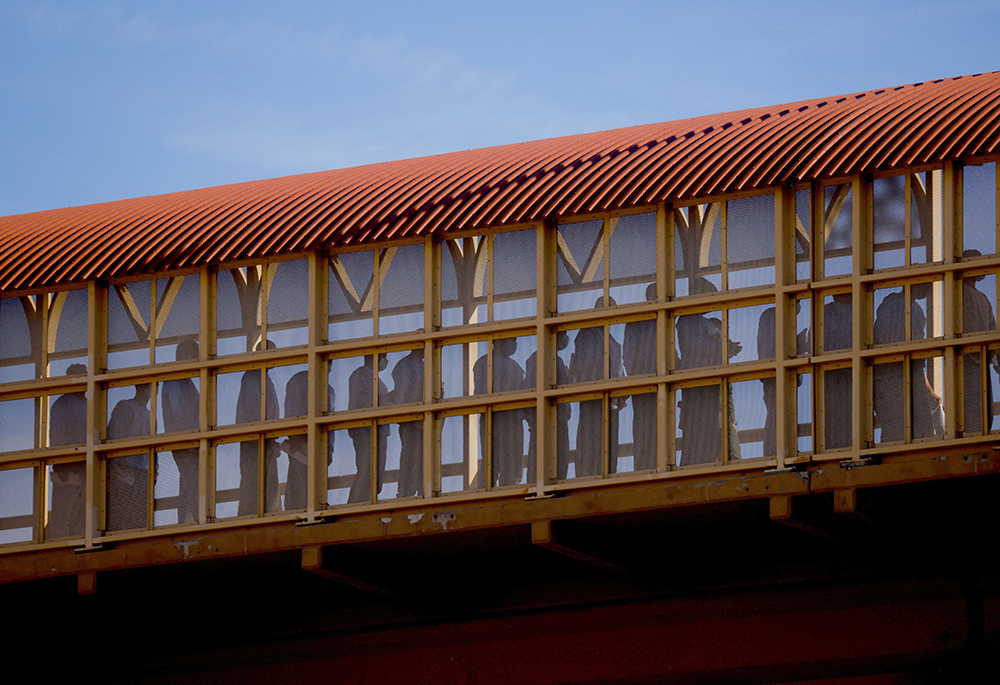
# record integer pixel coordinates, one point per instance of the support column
(545, 357)
(860, 322)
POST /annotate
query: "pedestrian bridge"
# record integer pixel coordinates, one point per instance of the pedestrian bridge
(244, 376)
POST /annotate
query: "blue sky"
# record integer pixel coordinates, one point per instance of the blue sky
(107, 100)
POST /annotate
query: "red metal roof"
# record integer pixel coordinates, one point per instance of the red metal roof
(641, 165)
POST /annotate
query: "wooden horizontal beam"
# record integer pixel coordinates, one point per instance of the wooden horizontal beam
(427, 517)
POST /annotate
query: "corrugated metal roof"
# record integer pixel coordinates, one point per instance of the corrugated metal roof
(641, 165)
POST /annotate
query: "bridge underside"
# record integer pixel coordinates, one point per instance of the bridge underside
(901, 587)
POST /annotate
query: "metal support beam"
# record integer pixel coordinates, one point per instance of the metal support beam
(542, 536)
(312, 561)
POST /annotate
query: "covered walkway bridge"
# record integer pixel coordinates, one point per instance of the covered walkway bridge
(706, 399)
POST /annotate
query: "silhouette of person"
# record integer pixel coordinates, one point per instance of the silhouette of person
(360, 386)
(68, 426)
(248, 410)
(297, 446)
(587, 364)
(890, 326)
(766, 350)
(977, 316)
(562, 409)
(128, 476)
(179, 402)
(837, 327)
(508, 425)
(408, 386)
(639, 355)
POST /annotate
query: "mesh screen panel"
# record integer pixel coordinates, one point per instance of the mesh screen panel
(18, 419)
(632, 257)
(178, 307)
(580, 264)
(837, 322)
(616, 333)
(568, 439)
(926, 217)
(977, 393)
(177, 404)
(402, 475)
(682, 284)
(291, 387)
(288, 304)
(632, 433)
(127, 492)
(227, 477)
(803, 325)
(347, 478)
(249, 404)
(979, 303)
(803, 408)
(288, 480)
(452, 251)
(238, 394)
(890, 323)
(236, 336)
(699, 254)
(166, 487)
(350, 391)
(228, 316)
(639, 347)
(128, 411)
(710, 261)
(351, 295)
(66, 514)
(887, 401)
(584, 355)
(748, 417)
(927, 397)
(979, 208)
(227, 390)
(128, 324)
(15, 340)
(698, 338)
(509, 445)
(403, 374)
(175, 489)
(839, 230)
(70, 309)
(508, 371)
(750, 241)
(463, 369)
(17, 505)
(514, 274)
(745, 325)
(524, 354)
(68, 419)
(803, 226)
(927, 304)
(837, 408)
(699, 423)
(401, 295)
(889, 221)
(464, 280)
(463, 442)
(244, 463)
